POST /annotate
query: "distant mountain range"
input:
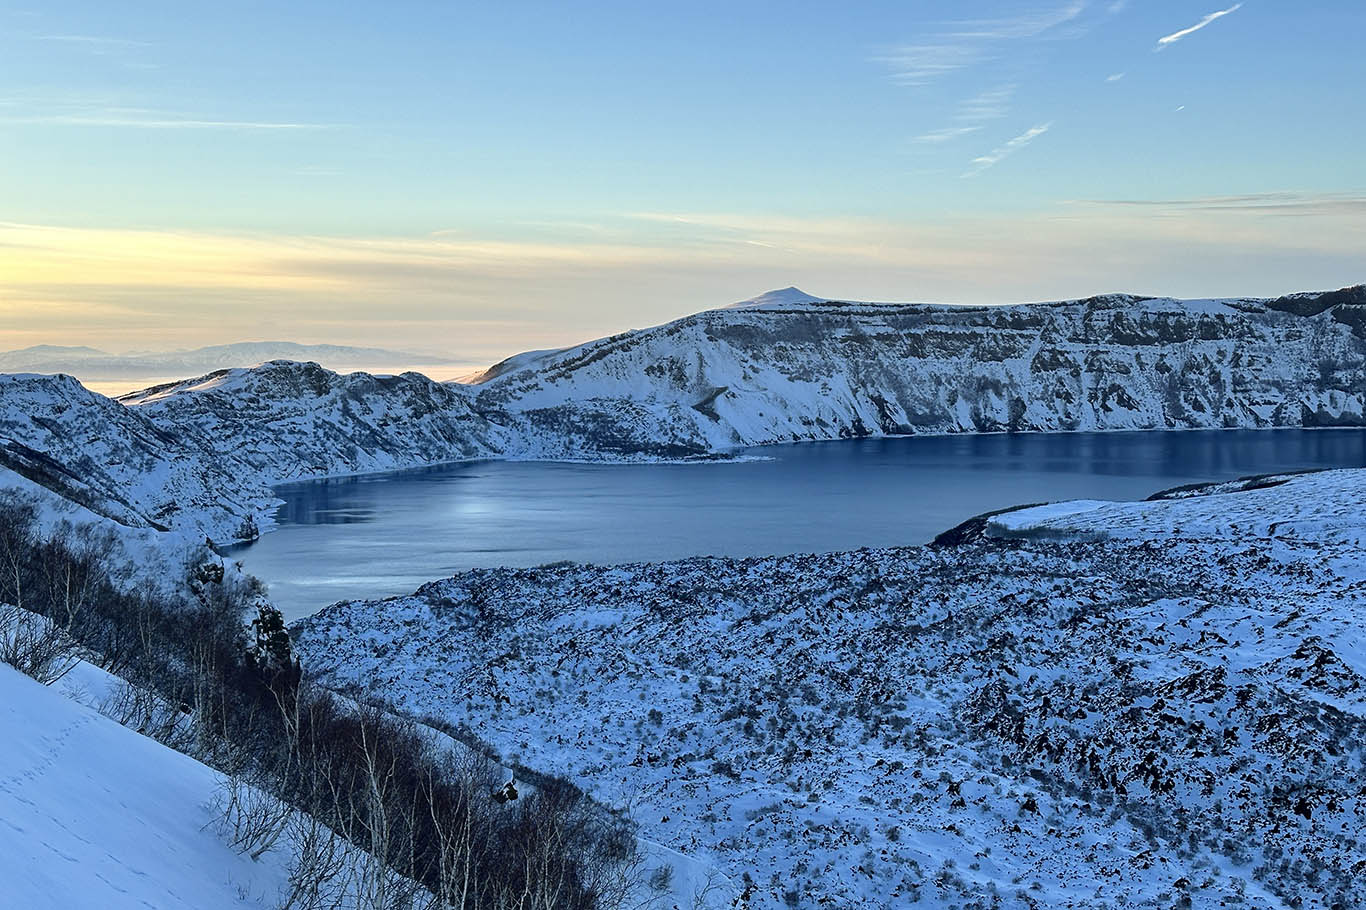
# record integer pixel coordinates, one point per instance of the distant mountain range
(201, 453)
(92, 363)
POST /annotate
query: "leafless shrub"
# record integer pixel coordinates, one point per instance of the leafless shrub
(251, 819)
(319, 865)
(145, 711)
(35, 645)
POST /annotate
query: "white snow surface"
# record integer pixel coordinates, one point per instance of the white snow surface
(289, 421)
(95, 815)
(783, 297)
(1323, 505)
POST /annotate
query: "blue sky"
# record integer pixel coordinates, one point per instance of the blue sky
(486, 177)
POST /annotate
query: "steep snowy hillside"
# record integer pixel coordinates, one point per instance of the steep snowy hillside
(788, 367)
(94, 815)
(1173, 714)
(117, 463)
(291, 420)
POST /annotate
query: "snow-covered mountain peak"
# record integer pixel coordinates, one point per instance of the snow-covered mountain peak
(780, 297)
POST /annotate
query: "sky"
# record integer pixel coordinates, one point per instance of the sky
(475, 179)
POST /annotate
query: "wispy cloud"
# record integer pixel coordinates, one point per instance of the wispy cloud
(1023, 26)
(129, 111)
(921, 64)
(1114, 77)
(945, 134)
(1174, 37)
(1283, 202)
(92, 40)
(988, 105)
(972, 113)
(159, 123)
(968, 42)
(1002, 152)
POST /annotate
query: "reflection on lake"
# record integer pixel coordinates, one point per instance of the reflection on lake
(380, 535)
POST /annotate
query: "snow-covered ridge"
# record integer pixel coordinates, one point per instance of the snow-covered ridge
(789, 367)
(782, 297)
(1322, 505)
(1153, 704)
(119, 464)
(290, 420)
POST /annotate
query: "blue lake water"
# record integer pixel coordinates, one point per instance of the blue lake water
(380, 535)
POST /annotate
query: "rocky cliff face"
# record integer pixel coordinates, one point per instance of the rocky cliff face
(291, 420)
(792, 368)
(121, 465)
(786, 370)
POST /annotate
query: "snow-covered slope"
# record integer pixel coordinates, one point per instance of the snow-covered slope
(786, 366)
(94, 815)
(116, 462)
(1323, 505)
(1152, 704)
(291, 420)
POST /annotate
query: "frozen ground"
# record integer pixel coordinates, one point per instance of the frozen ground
(1146, 703)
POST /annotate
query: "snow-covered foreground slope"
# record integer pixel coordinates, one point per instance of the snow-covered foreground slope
(94, 815)
(1139, 703)
(787, 366)
(291, 420)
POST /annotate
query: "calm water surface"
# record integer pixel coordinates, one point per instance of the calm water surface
(382, 535)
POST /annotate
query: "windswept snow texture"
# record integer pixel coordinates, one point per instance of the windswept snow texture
(1105, 704)
(119, 464)
(289, 420)
(95, 815)
(787, 367)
